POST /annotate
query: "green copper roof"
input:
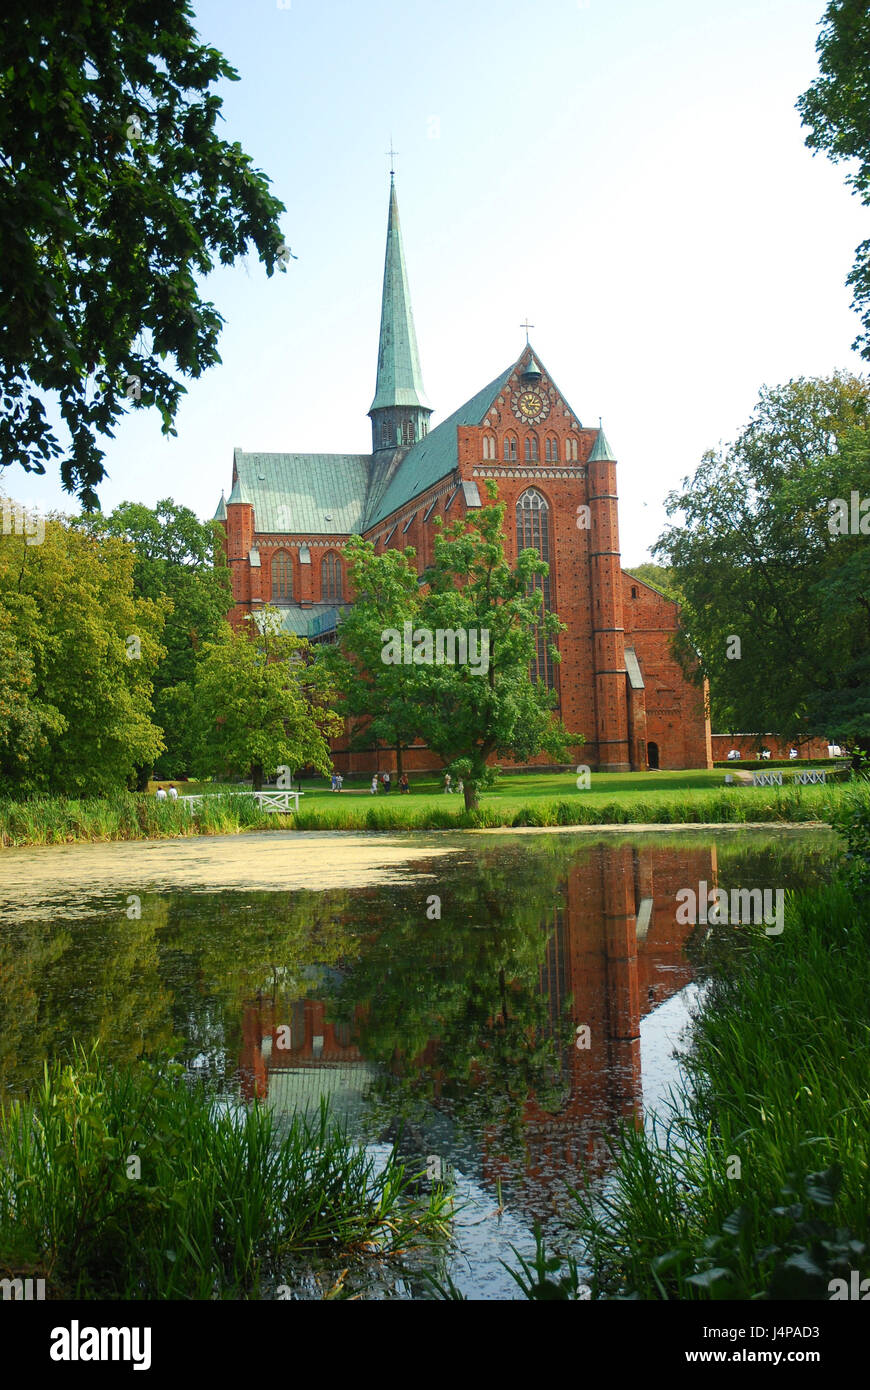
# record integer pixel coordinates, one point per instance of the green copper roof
(305, 622)
(321, 494)
(601, 450)
(400, 381)
(221, 513)
(433, 457)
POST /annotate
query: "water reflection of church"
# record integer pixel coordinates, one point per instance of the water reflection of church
(615, 950)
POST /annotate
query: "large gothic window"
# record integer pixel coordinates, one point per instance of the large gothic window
(331, 582)
(533, 533)
(282, 576)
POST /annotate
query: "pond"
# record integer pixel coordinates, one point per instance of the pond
(496, 1004)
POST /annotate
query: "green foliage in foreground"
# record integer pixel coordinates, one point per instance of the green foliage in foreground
(777, 1078)
(130, 816)
(224, 1207)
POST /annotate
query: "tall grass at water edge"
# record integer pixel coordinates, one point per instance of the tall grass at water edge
(755, 1182)
(224, 1207)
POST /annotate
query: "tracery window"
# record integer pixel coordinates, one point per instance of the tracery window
(533, 533)
(331, 578)
(282, 576)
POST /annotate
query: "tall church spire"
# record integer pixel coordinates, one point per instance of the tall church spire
(399, 412)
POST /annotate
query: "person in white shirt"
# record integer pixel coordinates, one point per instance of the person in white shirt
(173, 792)
(161, 793)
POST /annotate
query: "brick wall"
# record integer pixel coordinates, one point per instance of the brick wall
(749, 745)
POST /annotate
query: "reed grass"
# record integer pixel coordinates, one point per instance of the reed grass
(755, 1182)
(224, 1206)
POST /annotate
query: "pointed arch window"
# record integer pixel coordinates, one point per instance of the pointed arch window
(531, 449)
(510, 448)
(282, 576)
(488, 446)
(331, 578)
(551, 453)
(571, 450)
(533, 533)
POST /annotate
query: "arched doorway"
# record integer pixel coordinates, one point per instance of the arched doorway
(652, 755)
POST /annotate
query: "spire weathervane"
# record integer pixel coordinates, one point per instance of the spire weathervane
(527, 326)
(392, 157)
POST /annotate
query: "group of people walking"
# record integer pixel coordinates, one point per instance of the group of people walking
(386, 782)
(448, 784)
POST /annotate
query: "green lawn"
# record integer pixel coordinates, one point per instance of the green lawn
(554, 798)
(519, 789)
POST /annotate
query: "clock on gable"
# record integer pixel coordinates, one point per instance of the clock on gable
(530, 405)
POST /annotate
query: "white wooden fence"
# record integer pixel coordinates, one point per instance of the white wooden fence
(274, 802)
(774, 779)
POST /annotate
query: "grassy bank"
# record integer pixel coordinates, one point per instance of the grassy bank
(219, 1205)
(617, 799)
(757, 1184)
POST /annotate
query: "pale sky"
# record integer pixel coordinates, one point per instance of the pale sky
(630, 174)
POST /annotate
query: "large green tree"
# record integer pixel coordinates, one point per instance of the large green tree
(78, 651)
(261, 703)
(181, 559)
(836, 108)
(116, 193)
(773, 562)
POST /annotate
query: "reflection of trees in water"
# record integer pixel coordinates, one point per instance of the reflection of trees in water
(452, 1010)
(793, 862)
(86, 979)
(221, 950)
(172, 980)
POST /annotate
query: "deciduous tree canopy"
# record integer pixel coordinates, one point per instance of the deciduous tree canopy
(837, 110)
(115, 194)
(774, 552)
(78, 651)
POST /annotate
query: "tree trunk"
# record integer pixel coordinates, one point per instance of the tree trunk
(470, 791)
(257, 776)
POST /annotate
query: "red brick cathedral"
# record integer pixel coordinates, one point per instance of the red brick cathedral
(288, 516)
